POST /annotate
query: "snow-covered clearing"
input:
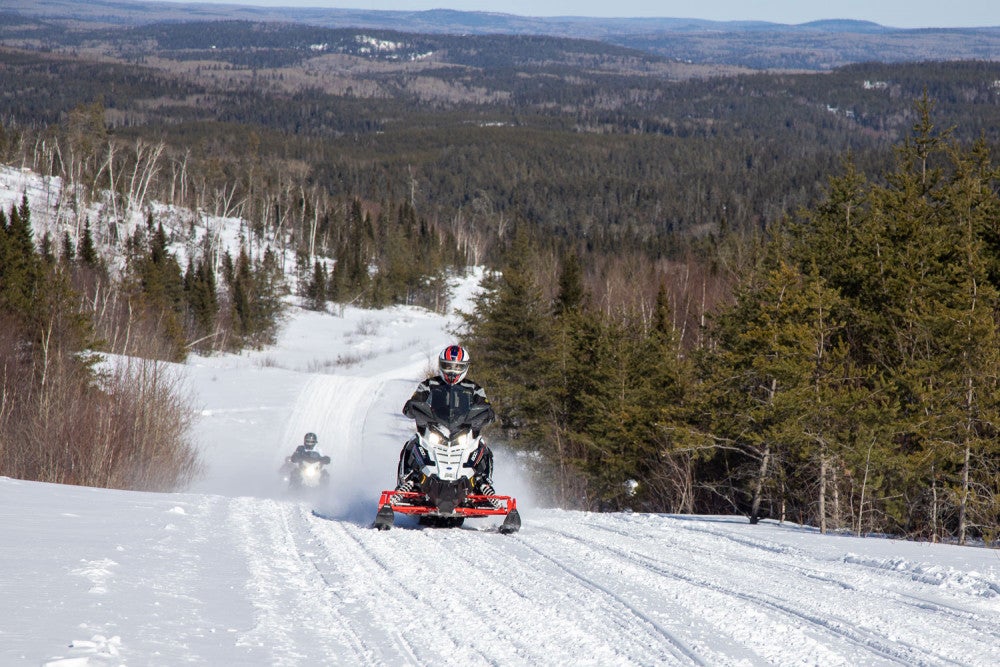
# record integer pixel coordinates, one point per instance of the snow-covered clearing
(236, 572)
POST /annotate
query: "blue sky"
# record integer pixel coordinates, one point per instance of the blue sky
(897, 13)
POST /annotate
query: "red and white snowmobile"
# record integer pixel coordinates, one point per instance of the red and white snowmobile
(444, 495)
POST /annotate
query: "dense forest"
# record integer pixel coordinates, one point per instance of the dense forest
(770, 293)
(851, 382)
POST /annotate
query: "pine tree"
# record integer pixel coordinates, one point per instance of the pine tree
(666, 391)
(46, 249)
(256, 292)
(36, 291)
(200, 295)
(161, 285)
(68, 253)
(571, 291)
(566, 365)
(615, 421)
(916, 259)
(21, 269)
(509, 334)
(960, 389)
(773, 373)
(242, 295)
(88, 253)
(316, 288)
(5, 250)
(351, 277)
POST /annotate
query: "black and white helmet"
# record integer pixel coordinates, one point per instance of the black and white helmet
(309, 441)
(453, 363)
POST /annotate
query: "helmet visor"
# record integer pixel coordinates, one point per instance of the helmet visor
(454, 367)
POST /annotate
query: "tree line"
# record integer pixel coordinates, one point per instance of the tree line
(850, 382)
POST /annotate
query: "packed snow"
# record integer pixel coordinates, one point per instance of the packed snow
(237, 571)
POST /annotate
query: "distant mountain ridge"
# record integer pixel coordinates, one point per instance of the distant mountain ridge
(816, 45)
(137, 12)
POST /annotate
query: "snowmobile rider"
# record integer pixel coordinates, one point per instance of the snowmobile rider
(449, 388)
(307, 451)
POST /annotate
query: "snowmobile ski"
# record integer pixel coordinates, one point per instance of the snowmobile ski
(512, 523)
(385, 518)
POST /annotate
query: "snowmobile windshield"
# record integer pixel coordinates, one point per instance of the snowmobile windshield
(451, 406)
(457, 407)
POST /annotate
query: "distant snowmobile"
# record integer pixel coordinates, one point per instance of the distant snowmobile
(304, 468)
(309, 472)
(444, 495)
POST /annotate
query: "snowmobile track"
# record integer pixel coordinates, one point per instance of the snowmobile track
(380, 573)
(973, 623)
(416, 606)
(838, 627)
(361, 648)
(288, 578)
(679, 649)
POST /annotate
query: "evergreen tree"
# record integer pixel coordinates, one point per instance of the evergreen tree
(200, 294)
(21, 269)
(88, 253)
(68, 253)
(161, 285)
(316, 288)
(46, 249)
(667, 391)
(509, 334)
(571, 292)
(5, 248)
(228, 269)
(256, 291)
(242, 291)
(914, 256)
(973, 204)
(351, 278)
(615, 421)
(36, 291)
(773, 357)
(567, 365)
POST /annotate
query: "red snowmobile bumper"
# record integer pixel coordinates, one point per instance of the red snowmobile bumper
(509, 504)
(416, 503)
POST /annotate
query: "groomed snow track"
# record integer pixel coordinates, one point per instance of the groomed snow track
(578, 588)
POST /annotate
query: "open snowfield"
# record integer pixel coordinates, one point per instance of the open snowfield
(236, 572)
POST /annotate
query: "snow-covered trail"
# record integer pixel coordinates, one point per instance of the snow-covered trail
(157, 579)
(577, 588)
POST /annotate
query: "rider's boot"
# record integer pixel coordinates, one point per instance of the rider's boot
(405, 485)
(484, 487)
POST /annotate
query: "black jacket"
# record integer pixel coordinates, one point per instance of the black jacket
(303, 454)
(449, 399)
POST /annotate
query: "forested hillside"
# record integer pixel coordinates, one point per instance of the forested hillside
(817, 45)
(721, 289)
(609, 152)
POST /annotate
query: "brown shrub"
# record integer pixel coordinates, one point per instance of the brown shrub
(125, 428)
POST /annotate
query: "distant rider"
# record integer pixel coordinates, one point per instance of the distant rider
(307, 451)
(450, 388)
(304, 453)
